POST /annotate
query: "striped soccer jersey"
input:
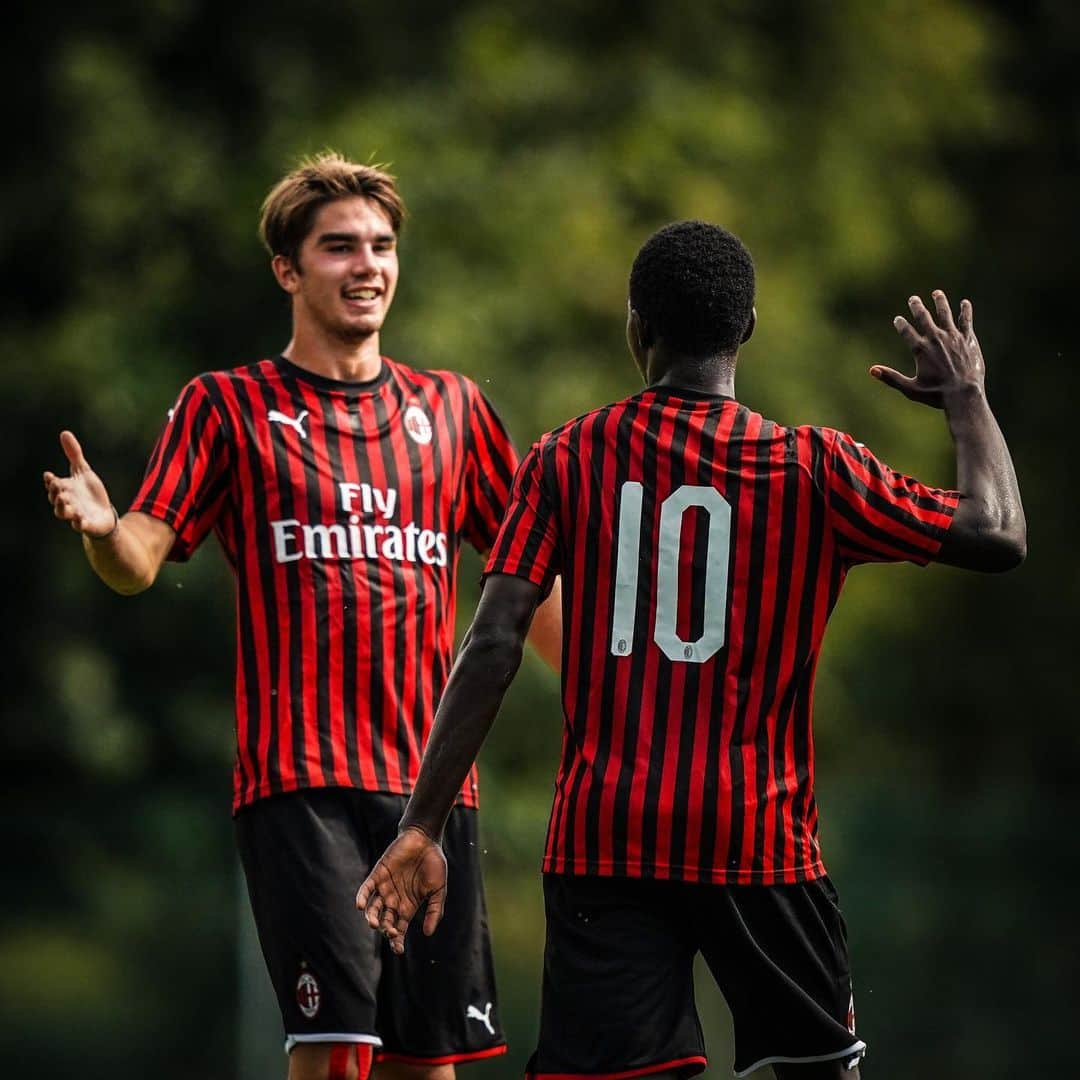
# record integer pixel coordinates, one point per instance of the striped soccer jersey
(702, 548)
(341, 508)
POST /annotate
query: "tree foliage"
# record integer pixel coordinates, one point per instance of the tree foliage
(863, 152)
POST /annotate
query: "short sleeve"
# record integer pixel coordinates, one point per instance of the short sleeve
(878, 514)
(187, 476)
(528, 542)
(489, 472)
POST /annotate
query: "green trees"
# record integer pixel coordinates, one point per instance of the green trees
(864, 152)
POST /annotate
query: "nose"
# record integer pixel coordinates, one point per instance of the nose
(364, 263)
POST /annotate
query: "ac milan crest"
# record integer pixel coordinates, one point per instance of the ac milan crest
(308, 995)
(418, 425)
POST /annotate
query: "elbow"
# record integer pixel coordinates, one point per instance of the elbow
(496, 651)
(1016, 552)
(985, 542)
(131, 586)
(1004, 550)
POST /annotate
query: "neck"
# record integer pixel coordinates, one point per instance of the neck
(314, 350)
(713, 376)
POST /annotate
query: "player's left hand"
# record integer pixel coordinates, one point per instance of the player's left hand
(948, 359)
(411, 871)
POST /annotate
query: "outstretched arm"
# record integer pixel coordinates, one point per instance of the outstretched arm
(125, 552)
(412, 870)
(988, 531)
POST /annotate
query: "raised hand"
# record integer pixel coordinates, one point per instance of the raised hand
(411, 871)
(80, 499)
(947, 354)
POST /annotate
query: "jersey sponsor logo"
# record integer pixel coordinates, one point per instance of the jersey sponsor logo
(308, 994)
(418, 425)
(357, 538)
(473, 1013)
(295, 422)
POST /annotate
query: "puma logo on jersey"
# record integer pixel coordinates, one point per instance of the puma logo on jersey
(296, 423)
(473, 1013)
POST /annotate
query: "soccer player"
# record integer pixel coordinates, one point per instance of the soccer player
(701, 549)
(341, 485)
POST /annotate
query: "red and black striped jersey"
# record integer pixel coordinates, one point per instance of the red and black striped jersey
(701, 548)
(341, 508)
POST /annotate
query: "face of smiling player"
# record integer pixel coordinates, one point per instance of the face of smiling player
(347, 273)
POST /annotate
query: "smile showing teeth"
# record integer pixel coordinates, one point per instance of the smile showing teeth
(361, 294)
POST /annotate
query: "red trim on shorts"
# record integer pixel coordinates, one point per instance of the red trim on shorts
(445, 1059)
(340, 1053)
(645, 1070)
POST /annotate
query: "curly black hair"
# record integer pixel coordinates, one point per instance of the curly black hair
(693, 283)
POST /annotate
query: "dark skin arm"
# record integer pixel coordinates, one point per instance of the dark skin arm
(412, 870)
(988, 531)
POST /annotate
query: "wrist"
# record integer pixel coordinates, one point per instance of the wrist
(96, 538)
(431, 834)
(964, 395)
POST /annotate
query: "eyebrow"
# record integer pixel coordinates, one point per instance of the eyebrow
(350, 238)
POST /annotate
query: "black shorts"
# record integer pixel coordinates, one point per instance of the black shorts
(618, 995)
(305, 855)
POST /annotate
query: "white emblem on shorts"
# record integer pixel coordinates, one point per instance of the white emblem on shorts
(473, 1013)
(308, 995)
(418, 425)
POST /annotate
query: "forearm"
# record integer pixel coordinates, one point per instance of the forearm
(123, 560)
(989, 531)
(484, 669)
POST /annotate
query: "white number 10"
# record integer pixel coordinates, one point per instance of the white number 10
(628, 543)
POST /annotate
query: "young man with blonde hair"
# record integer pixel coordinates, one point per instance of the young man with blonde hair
(340, 484)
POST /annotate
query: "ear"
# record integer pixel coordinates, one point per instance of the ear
(635, 336)
(750, 326)
(287, 274)
(642, 330)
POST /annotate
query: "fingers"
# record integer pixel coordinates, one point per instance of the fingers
(965, 323)
(60, 499)
(52, 487)
(920, 316)
(904, 383)
(72, 450)
(434, 913)
(373, 910)
(944, 312)
(908, 332)
(363, 894)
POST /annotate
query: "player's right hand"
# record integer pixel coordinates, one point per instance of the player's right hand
(411, 871)
(80, 499)
(948, 357)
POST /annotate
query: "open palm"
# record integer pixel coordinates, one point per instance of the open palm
(80, 499)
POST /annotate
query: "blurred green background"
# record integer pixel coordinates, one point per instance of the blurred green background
(863, 151)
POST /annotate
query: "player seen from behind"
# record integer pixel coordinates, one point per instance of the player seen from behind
(702, 548)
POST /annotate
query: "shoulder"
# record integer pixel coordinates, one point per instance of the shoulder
(568, 436)
(811, 441)
(437, 380)
(228, 380)
(222, 395)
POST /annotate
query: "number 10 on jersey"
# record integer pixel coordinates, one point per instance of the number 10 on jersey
(628, 561)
